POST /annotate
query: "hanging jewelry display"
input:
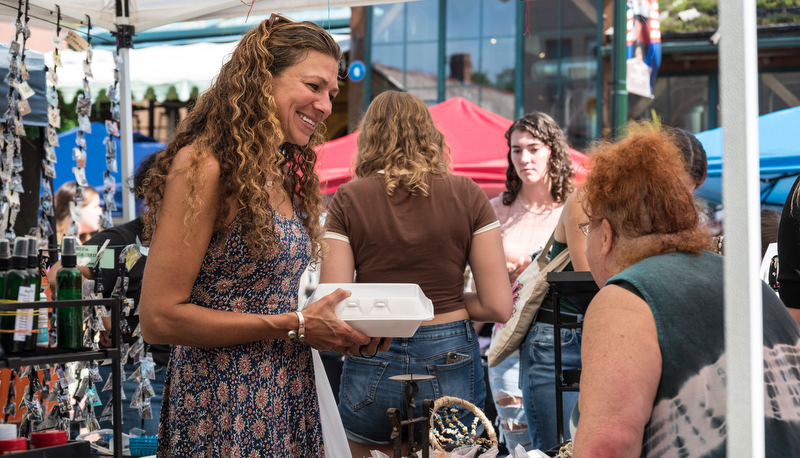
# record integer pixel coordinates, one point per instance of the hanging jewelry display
(18, 94)
(51, 138)
(112, 129)
(137, 352)
(83, 109)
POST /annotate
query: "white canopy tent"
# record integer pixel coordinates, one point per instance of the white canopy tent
(160, 68)
(129, 16)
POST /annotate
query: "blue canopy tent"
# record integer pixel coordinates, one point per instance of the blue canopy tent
(779, 157)
(96, 159)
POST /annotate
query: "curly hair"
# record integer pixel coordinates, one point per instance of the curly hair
(235, 122)
(398, 138)
(559, 167)
(637, 185)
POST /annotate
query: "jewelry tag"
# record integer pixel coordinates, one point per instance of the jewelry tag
(47, 203)
(91, 395)
(53, 116)
(52, 97)
(79, 156)
(80, 178)
(87, 69)
(23, 107)
(50, 153)
(19, 128)
(111, 146)
(84, 123)
(23, 71)
(112, 128)
(13, 49)
(25, 90)
(56, 62)
(52, 136)
(80, 139)
(108, 199)
(129, 256)
(84, 105)
(75, 41)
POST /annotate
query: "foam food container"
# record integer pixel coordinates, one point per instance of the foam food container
(380, 309)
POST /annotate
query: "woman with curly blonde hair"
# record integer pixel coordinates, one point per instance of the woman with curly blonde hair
(406, 219)
(232, 214)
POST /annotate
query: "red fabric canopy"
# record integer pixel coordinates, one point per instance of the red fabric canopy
(477, 142)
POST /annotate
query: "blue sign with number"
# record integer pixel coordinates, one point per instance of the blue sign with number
(356, 71)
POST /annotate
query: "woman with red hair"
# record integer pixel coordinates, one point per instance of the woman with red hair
(654, 361)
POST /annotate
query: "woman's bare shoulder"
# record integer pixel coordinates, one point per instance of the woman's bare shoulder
(190, 157)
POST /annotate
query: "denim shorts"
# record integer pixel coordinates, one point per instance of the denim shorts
(366, 393)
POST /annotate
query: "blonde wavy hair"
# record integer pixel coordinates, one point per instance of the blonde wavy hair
(398, 138)
(638, 185)
(235, 122)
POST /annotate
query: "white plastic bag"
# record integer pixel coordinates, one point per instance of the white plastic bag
(332, 429)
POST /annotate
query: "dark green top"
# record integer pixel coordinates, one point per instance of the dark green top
(685, 294)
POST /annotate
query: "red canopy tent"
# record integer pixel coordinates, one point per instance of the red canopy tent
(477, 148)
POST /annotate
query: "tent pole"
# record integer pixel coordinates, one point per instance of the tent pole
(740, 186)
(124, 44)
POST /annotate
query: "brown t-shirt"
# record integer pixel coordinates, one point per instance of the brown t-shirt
(407, 238)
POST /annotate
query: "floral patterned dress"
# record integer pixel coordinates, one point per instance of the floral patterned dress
(250, 400)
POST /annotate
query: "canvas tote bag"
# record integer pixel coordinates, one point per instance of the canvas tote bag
(532, 288)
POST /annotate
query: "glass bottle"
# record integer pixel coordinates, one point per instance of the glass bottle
(17, 284)
(6, 318)
(36, 283)
(69, 320)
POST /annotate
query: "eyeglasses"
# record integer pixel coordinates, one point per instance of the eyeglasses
(584, 227)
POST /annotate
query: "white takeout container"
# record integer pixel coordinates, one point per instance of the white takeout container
(380, 309)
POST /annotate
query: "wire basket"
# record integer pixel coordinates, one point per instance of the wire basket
(447, 433)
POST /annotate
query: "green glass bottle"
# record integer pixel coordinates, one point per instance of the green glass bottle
(36, 284)
(17, 278)
(6, 318)
(69, 288)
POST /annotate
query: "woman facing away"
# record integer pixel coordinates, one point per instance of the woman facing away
(657, 319)
(538, 356)
(538, 181)
(406, 219)
(789, 252)
(232, 215)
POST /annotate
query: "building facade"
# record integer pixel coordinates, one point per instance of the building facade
(512, 56)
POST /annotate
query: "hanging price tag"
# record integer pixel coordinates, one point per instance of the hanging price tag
(25, 90)
(76, 42)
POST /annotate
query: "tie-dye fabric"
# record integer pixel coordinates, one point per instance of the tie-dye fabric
(250, 400)
(685, 293)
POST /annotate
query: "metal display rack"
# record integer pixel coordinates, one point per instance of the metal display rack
(57, 355)
(580, 288)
